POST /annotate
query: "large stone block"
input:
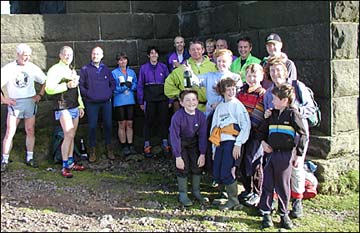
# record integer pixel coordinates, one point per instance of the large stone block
(98, 6)
(344, 40)
(345, 114)
(163, 7)
(330, 170)
(111, 48)
(166, 26)
(22, 28)
(315, 74)
(345, 75)
(128, 26)
(345, 11)
(39, 54)
(325, 147)
(165, 46)
(271, 14)
(302, 42)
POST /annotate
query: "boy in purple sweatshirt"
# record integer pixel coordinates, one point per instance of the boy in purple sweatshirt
(188, 136)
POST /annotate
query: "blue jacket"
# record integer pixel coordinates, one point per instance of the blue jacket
(151, 82)
(124, 95)
(96, 84)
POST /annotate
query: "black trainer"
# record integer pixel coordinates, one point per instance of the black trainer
(285, 222)
(32, 163)
(267, 221)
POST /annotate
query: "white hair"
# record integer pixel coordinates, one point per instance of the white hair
(21, 48)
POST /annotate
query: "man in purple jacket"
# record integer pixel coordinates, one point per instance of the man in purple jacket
(96, 87)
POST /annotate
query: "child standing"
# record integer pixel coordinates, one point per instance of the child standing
(188, 139)
(252, 96)
(277, 136)
(230, 129)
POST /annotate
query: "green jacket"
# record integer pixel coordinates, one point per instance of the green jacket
(236, 66)
(174, 83)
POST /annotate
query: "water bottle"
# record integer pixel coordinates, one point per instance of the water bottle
(187, 78)
(83, 152)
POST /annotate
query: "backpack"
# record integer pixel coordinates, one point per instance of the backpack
(55, 149)
(315, 119)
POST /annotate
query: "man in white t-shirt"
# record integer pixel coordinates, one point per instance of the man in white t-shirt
(18, 81)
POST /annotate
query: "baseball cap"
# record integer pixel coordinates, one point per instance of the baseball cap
(273, 37)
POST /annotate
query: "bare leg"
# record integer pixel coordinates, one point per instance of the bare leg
(30, 133)
(129, 131)
(12, 123)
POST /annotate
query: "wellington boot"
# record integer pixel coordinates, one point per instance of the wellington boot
(222, 196)
(233, 201)
(92, 155)
(196, 189)
(183, 197)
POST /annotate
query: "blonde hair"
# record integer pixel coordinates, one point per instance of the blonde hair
(252, 68)
(221, 52)
(273, 61)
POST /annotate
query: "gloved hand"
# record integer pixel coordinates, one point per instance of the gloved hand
(122, 84)
(128, 84)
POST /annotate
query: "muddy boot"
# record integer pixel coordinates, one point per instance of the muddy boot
(183, 197)
(110, 153)
(196, 189)
(285, 222)
(233, 201)
(92, 155)
(222, 195)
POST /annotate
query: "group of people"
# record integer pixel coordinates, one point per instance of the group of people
(231, 115)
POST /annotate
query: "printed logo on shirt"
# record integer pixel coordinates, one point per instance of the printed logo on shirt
(22, 79)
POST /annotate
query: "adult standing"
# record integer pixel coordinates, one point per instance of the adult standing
(124, 102)
(274, 46)
(19, 77)
(179, 56)
(63, 83)
(96, 86)
(241, 63)
(200, 64)
(152, 100)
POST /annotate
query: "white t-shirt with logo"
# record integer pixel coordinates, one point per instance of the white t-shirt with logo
(19, 80)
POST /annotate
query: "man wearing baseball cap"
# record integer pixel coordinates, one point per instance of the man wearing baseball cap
(274, 45)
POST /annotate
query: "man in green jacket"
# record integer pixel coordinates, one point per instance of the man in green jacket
(239, 65)
(200, 64)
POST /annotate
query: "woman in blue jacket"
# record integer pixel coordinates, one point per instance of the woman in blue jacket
(124, 102)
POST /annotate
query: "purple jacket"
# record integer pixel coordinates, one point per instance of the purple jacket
(173, 56)
(151, 82)
(185, 126)
(96, 84)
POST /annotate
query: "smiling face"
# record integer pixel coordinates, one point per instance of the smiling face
(179, 43)
(254, 77)
(153, 56)
(223, 62)
(278, 73)
(189, 102)
(274, 48)
(66, 55)
(244, 49)
(96, 55)
(196, 51)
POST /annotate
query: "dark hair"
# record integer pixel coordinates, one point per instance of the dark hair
(221, 86)
(152, 48)
(245, 38)
(186, 91)
(122, 55)
(284, 91)
(196, 41)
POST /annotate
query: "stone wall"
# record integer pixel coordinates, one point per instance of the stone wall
(320, 37)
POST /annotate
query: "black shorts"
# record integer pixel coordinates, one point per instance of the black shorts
(124, 113)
